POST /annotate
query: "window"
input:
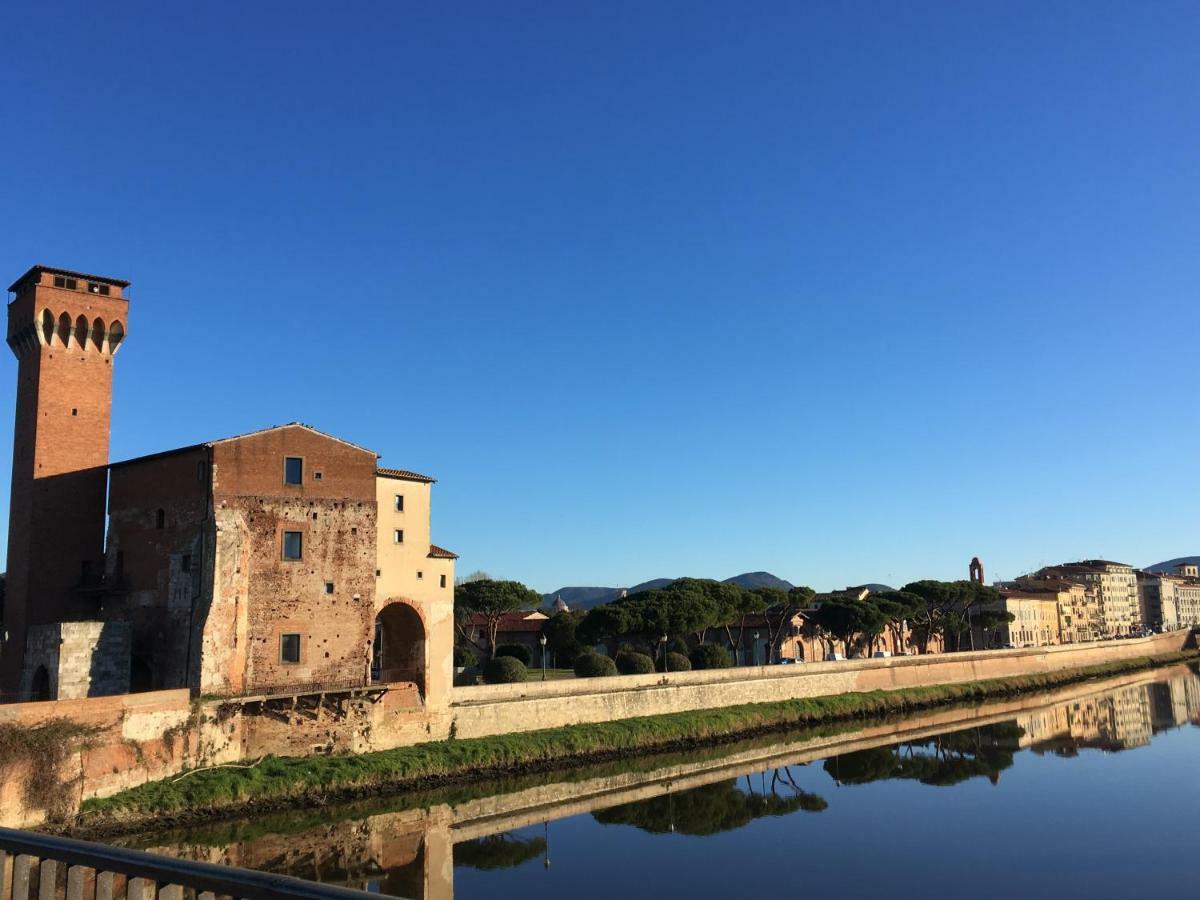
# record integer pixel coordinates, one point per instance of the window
(398, 536)
(420, 574)
(399, 503)
(201, 470)
(441, 581)
(62, 282)
(293, 545)
(95, 288)
(160, 519)
(186, 562)
(74, 411)
(289, 648)
(329, 587)
(293, 470)
(316, 476)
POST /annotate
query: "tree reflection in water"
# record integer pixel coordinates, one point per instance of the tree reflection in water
(713, 808)
(498, 851)
(947, 759)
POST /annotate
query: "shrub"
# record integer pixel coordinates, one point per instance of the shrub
(465, 657)
(634, 647)
(504, 670)
(677, 662)
(516, 651)
(710, 656)
(593, 665)
(630, 663)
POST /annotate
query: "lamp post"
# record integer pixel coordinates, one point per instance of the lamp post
(756, 662)
(542, 641)
(666, 667)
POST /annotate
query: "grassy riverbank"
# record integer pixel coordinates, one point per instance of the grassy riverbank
(279, 781)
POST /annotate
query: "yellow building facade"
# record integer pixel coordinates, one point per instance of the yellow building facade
(414, 589)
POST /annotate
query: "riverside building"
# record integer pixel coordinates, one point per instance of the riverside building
(1115, 586)
(251, 564)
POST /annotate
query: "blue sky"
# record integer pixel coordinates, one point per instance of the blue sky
(847, 292)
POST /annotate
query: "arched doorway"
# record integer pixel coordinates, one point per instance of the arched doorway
(398, 652)
(40, 690)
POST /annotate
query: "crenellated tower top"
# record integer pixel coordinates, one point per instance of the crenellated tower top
(65, 309)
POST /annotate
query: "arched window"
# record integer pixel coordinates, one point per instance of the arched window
(98, 333)
(160, 519)
(81, 332)
(116, 334)
(64, 328)
(47, 326)
(40, 689)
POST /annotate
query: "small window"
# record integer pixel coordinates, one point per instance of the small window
(59, 281)
(289, 648)
(420, 574)
(293, 470)
(74, 411)
(293, 545)
(398, 536)
(201, 470)
(316, 476)
(95, 288)
(160, 519)
(399, 503)
(441, 580)
(72, 284)
(329, 587)
(186, 563)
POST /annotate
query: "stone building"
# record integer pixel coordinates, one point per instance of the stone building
(1168, 602)
(274, 561)
(1036, 620)
(1078, 606)
(1115, 585)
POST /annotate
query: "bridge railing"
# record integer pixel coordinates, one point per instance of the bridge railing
(55, 868)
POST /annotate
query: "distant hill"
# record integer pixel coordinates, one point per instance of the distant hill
(1170, 564)
(588, 597)
(759, 579)
(876, 588)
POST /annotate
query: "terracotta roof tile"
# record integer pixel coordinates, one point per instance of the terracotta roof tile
(436, 552)
(404, 475)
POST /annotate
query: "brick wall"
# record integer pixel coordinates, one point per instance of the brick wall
(80, 659)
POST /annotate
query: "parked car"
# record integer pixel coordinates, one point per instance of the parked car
(882, 654)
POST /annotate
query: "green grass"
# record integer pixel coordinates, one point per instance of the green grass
(278, 781)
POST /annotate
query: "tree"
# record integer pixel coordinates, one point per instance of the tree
(899, 609)
(492, 600)
(782, 607)
(561, 640)
(990, 620)
(844, 619)
(739, 606)
(477, 575)
(949, 606)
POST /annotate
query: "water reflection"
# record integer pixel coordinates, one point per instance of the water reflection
(862, 788)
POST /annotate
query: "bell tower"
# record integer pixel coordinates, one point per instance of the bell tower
(64, 328)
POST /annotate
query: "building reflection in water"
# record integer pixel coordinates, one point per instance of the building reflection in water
(413, 852)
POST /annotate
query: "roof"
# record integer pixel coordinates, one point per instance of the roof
(436, 552)
(404, 475)
(39, 268)
(515, 621)
(237, 437)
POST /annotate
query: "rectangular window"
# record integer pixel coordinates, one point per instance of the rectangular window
(398, 536)
(289, 648)
(329, 587)
(98, 288)
(399, 503)
(293, 545)
(420, 575)
(201, 470)
(441, 580)
(186, 563)
(293, 470)
(316, 476)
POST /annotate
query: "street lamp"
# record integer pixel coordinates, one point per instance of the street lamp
(542, 641)
(756, 662)
(663, 640)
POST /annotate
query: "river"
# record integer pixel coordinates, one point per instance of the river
(1088, 791)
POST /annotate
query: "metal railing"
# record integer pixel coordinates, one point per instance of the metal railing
(55, 868)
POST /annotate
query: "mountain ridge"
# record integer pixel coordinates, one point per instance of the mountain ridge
(586, 597)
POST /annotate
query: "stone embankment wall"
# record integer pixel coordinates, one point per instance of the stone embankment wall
(505, 708)
(121, 742)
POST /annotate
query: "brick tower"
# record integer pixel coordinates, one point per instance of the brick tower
(64, 328)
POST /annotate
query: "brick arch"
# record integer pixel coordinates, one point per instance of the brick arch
(64, 329)
(398, 649)
(48, 321)
(116, 334)
(98, 333)
(81, 331)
